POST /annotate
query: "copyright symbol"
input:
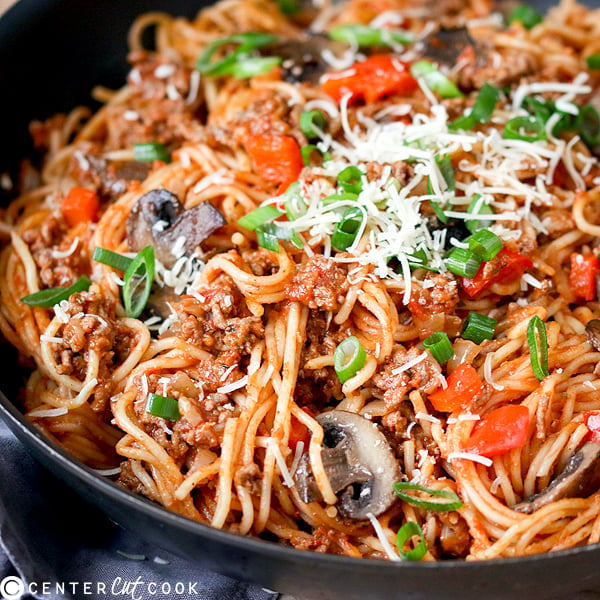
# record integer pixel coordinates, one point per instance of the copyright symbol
(11, 588)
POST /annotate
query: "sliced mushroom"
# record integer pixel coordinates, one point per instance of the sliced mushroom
(592, 330)
(302, 59)
(159, 219)
(359, 463)
(114, 177)
(446, 45)
(579, 479)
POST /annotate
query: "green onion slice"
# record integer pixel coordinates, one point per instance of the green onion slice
(365, 36)
(312, 156)
(451, 500)
(593, 61)
(527, 129)
(478, 328)
(151, 151)
(462, 262)
(538, 347)
(349, 358)
(51, 296)
(349, 179)
(295, 207)
(405, 533)
(440, 346)
(267, 239)
(482, 109)
(310, 119)
(526, 15)
(259, 216)
(341, 197)
(138, 280)
(485, 244)
(246, 43)
(288, 7)
(269, 234)
(588, 125)
(478, 207)
(435, 80)
(163, 407)
(345, 231)
(112, 259)
(249, 66)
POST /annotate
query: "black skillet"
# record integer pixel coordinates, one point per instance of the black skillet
(52, 52)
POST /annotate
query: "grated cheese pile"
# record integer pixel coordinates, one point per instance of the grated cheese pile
(393, 224)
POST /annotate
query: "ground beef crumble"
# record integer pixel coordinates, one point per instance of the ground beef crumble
(319, 283)
(44, 242)
(394, 387)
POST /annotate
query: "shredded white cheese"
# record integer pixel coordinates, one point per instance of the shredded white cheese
(389, 550)
(285, 473)
(234, 385)
(409, 364)
(487, 462)
(487, 373)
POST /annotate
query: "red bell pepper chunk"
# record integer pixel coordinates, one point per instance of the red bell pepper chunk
(463, 385)
(505, 267)
(499, 431)
(582, 279)
(592, 422)
(80, 206)
(277, 158)
(371, 79)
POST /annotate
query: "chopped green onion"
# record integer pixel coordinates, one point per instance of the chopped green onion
(485, 244)
(588, 125)
(474, 225)
(249, 66)
(440, 346)
(445, 166)
(528, 16)
(405, 533)
(453, 502)
(462, 262)
(527, 129)
(478, 328)
(349, 179)
(481, 111)
(365, 36)
(163, 407)
(269, 234)
(311, 155)
(435, 80)
(228, 65)
(345, 231)
(593, 61)
(538, 347)
(51, 296)
(342, 196)
(310, 119)
(151, 151)
(259, 216)
(267, 239)
(138, 280)
(112, 259)
(295, 207)
(288, 7)
(439, 211)
(418, 260)
(349, 358)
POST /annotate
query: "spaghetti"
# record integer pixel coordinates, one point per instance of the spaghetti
(336, 276)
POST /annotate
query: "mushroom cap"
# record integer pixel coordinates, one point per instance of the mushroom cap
(579, 479)
(159, 219)
(360, 464)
